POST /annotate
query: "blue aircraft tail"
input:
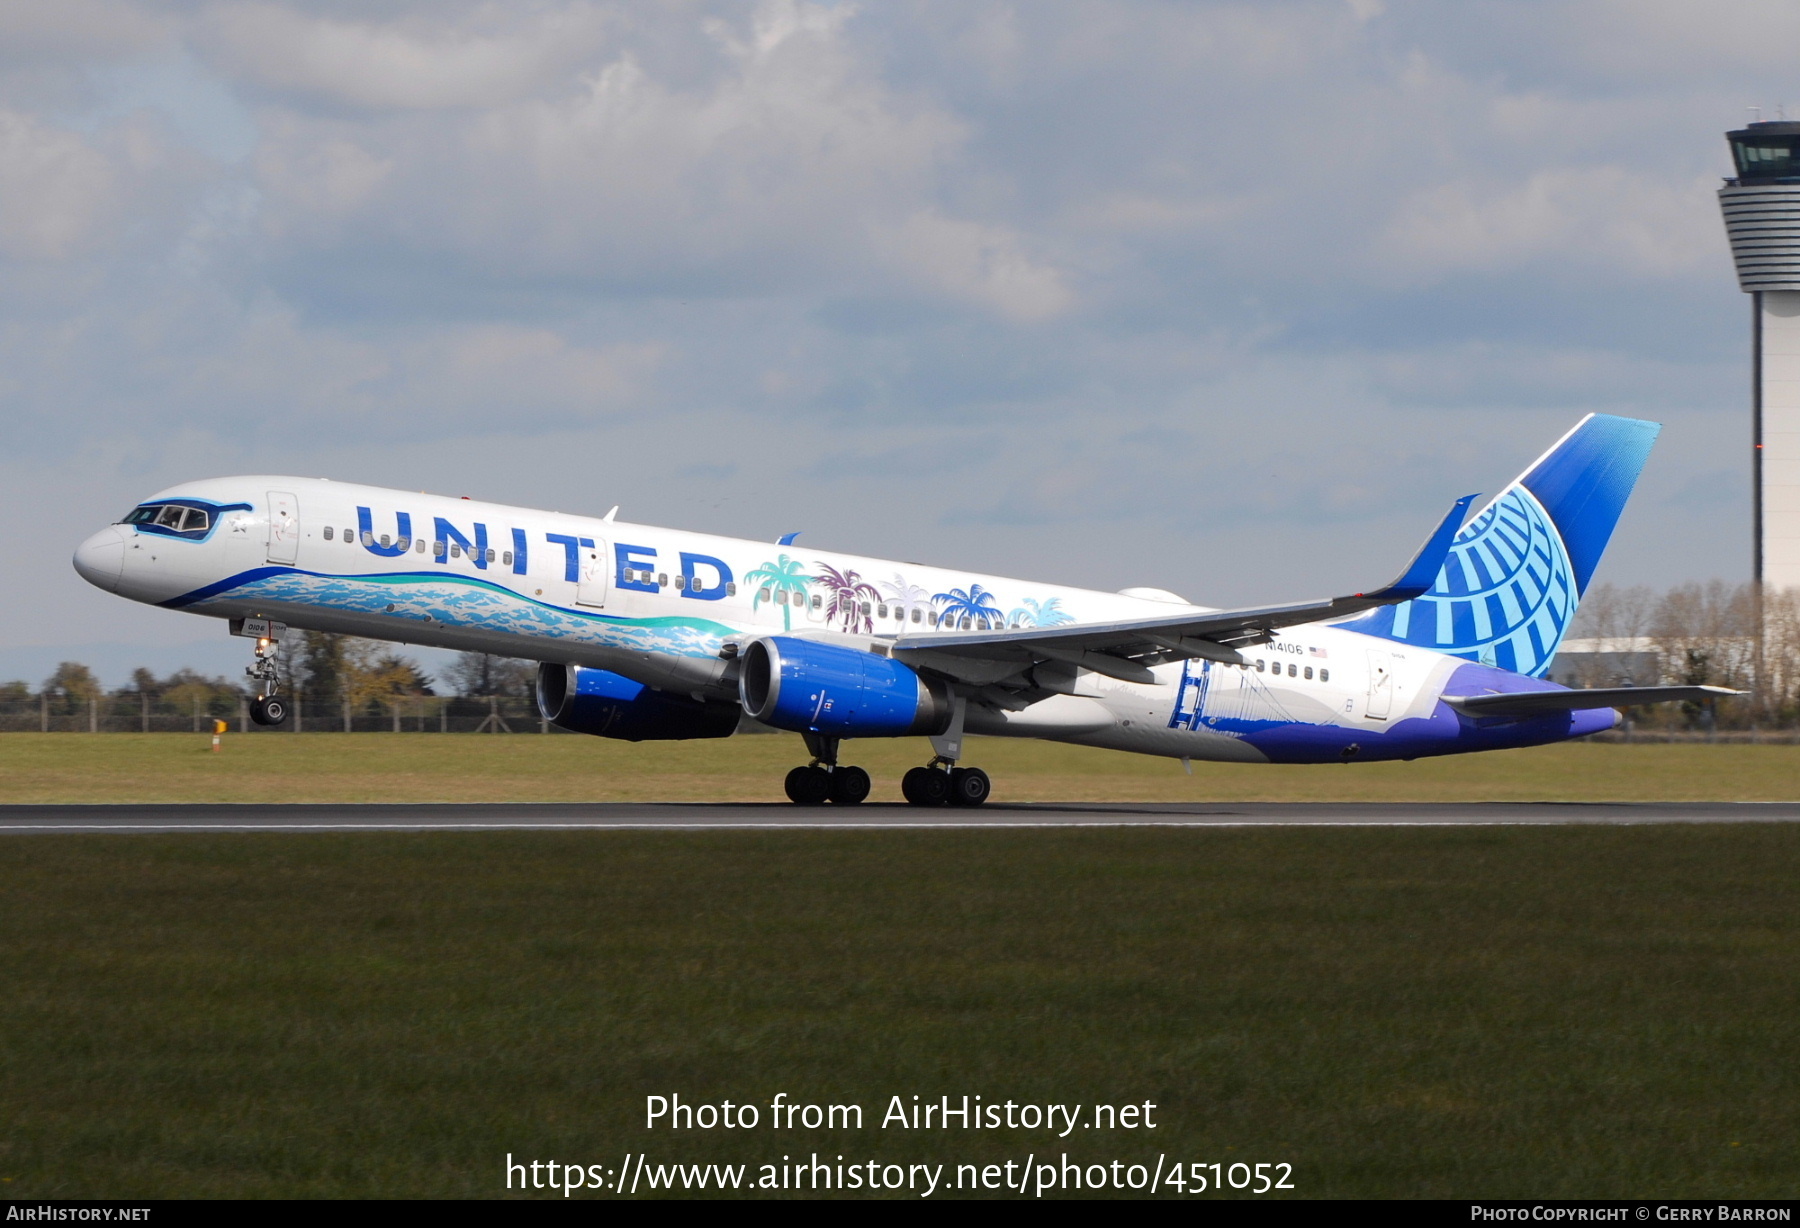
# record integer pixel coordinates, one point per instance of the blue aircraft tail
(1508, 591)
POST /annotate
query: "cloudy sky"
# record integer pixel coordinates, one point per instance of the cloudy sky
(1225, 298)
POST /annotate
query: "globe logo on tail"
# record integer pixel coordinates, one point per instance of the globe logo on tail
(1504, 597)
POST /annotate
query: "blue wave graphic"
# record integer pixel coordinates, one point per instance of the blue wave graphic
(465, 601)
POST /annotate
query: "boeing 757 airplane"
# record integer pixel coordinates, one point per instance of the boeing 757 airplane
(647, 633)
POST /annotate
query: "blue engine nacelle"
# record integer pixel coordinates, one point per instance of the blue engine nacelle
(607, 705)
(842, 692)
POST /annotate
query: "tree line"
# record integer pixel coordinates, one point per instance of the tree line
(1712, 633)
(336, 674)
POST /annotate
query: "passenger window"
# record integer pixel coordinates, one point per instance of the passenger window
(327, 532)
(917, 615)
(455, 550)
(865, 609)
(419, 544)
(1259, 665)
(507, 558)
(437, 547)
(781, 598)
(385, 543)
(680, 581)
(490, 554)
(1290, 669)
(815, 601)
(405, 543)
(1309, 673)
(349, 536)
(1324, 675)
(731, 588)
(662, 579)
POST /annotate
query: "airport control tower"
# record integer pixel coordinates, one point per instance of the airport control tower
(1762, 216)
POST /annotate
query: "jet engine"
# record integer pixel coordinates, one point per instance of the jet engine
(841, 692)
(608, 705)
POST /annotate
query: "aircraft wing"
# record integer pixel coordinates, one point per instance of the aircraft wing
(1126, 650)
(1539, 703)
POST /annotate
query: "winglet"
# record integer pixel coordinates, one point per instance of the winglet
(1422, 572)
(787, 539)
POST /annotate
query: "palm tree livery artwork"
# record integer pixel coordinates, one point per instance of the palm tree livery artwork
(781, 581)
(905, 598)
(974, 607)
(850, 600)
(1040, 614)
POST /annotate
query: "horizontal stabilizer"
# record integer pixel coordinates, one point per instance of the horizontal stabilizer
(1538, 703)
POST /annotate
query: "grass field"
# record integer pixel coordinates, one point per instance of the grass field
(1454, 1013)
(1427, 1012)
(62, 767)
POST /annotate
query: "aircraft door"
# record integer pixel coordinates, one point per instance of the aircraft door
(1381, 685)
(284, 527)
(590, 588)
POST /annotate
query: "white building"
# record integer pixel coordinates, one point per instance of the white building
(1762, 217)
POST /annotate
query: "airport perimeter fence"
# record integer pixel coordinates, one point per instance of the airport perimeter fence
(131, 712)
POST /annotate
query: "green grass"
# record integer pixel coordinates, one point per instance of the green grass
(1582, 1012)
(272, 767)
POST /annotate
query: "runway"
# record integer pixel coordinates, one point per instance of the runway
(174, 818)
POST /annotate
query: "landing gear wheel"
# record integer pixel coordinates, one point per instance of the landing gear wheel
(849, 786)
(925, 786)
(969, 786)
(808, 786)
(268, 709)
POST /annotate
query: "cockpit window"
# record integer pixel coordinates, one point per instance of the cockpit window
(172, 519)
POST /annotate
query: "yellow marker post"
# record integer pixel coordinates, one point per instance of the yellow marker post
(219, 727)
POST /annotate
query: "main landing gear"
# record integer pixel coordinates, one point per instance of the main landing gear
(823, 780)
(268, 708)
(938, 783)
(941, 782)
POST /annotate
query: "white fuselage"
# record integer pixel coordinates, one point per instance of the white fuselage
(657, 605)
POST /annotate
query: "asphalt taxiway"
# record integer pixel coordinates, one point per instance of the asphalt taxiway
(720, 816)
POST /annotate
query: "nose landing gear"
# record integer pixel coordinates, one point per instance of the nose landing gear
(268, 708)
(823, 780)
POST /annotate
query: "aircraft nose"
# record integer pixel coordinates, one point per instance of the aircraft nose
(101, 558)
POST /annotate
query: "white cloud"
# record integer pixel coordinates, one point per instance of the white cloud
(986, 265)
(490, 56)
(1606, 216)
(1171, 278)
(55, 189)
